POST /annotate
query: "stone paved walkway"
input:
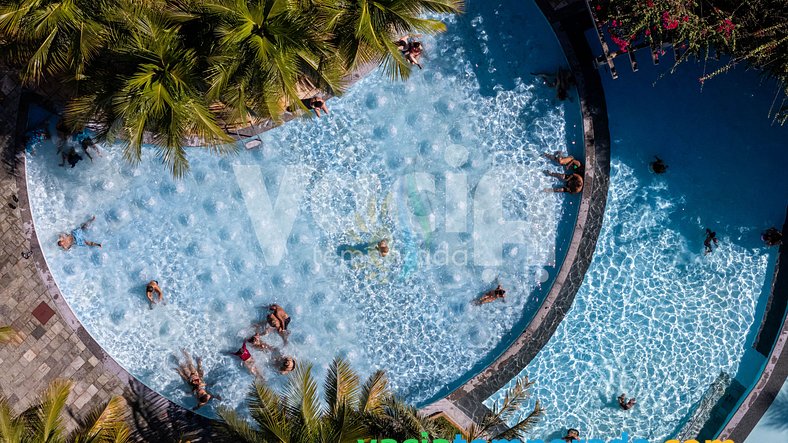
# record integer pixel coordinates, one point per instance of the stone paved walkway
(46, 347)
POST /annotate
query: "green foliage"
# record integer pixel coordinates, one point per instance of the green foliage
(162, 71)
(41, 422)
(501, 414)
(350, 412)
(7, 334)
(749, 31)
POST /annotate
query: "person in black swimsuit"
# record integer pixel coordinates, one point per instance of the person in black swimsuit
(150, 288)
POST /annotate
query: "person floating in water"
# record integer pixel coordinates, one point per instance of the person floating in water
(561, 81)
(624, 403)
(498, 293)
(77, 237)
(383, 247)
(772, 237)
(658, 166)
(247, 360)
(571, 435)
(150, 288)
(574, 182)
(711, 239)
(411, 49)
(317, 104)
(569, 162)
(195, 377)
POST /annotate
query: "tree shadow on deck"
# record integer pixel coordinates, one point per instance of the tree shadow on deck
(154, 419)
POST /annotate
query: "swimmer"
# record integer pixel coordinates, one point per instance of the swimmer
(626, 405)
(317, 104)
(77, 237)
(257, 341)
(411, 49)
(571, 435)
(772, 237)
(711, 237)
(280, 315)
(247, 360)
(497, 293)
(191, 374)
(88, 143)
(658, 166)
(568, 162)
(383, 247)
(285, 364)
(561, 81)
(150, 288)
(273, 323)
(70, 155)
(574, 182)
(195, 377)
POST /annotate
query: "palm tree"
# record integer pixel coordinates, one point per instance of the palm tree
(41, 422)
(150, 85)
(367, 29)
(495, 423)
(51, 38)
(7, 334)
(268, 52)
(351, 411)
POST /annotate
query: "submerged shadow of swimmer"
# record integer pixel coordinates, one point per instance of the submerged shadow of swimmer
(347, 252)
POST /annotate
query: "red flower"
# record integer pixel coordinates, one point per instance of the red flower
(648, 32)
(686, 18)
(650, 3)
(598, 7)
(726, 27)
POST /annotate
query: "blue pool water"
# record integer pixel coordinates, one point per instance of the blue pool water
(447, 166)
(655, 318)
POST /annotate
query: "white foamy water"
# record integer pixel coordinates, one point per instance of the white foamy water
(431, 164)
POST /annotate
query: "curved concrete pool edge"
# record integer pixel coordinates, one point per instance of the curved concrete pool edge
(775, 372)
(51, 342)
(569, 20)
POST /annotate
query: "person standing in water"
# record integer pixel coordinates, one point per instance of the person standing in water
(711, 239)
(624, 403)
(150, 288)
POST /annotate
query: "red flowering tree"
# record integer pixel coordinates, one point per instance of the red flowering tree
(751, 31)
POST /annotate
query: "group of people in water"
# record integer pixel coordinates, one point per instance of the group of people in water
(277, 320)
(573, 178)
(66, 142)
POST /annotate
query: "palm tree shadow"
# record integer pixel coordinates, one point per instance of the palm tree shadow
(153, 418)
(777, 415)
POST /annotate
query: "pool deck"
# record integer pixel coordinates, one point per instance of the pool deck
(569, 19)
(51, 343)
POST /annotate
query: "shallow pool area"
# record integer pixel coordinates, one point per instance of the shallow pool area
(655, 318)
(447, 166)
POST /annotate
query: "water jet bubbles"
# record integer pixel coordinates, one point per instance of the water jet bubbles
(455, 155)
(542, 275)
(186, 219)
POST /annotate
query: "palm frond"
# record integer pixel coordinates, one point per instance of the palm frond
(374, 393)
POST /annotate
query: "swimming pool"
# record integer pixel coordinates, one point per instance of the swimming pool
(447, 166)
(655, 318)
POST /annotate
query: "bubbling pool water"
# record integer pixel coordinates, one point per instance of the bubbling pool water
(440, 170)
(653, 318)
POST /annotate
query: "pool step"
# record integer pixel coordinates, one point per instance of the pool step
(712, 409)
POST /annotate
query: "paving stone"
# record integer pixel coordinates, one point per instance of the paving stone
(38, 332)
(43, 313)
(29, 355)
